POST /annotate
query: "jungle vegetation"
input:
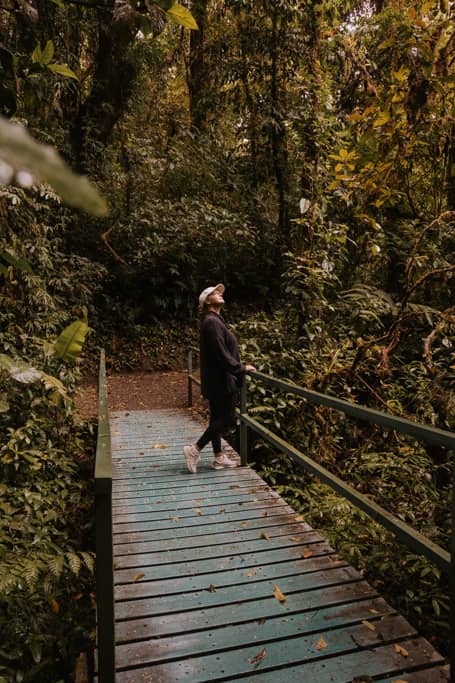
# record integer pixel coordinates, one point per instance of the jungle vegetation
(301, 152)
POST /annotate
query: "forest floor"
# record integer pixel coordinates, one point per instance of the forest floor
(140, 391)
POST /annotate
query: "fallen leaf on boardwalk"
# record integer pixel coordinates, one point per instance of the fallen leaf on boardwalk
(296, 539)
(55, 607)
(163, 445)
(175, 519)
(198, 511)
(157, 502)
(265, 514)
(307, 553)
(369, 625)
(321, 644)
(298, 518)
(399, 680)
(198, 501)
(256, 660)
(252, 572)
(265, 536)
(234, 486)
(221, 511)
(138, 577)
(253, 491)
(278, 594)
(117, 433)
(244, 523)
(155, 445)
(141, 452)
(373, 611)
(401, 650)
(211, 588)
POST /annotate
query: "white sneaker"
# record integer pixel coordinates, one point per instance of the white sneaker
(224, 461)
(192, 455)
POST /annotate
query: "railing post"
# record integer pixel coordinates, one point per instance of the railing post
(243, 427)
(190, 381)
(104, 571)
(452, 583)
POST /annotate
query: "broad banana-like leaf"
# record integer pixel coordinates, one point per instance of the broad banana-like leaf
(70, 342)
(24, 155)
(181, 15)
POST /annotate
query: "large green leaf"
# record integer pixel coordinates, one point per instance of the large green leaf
(22, 153)
(63, 70)
(181, 15)
(69, 344)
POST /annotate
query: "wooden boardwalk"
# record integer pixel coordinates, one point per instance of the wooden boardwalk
(218, 579)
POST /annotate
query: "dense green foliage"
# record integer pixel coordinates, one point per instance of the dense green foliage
(303, 154)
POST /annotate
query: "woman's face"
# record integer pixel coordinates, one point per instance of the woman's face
(215, 298)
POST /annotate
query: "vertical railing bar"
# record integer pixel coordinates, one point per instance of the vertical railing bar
(104, 568)
(190, 378)
(243, 426)
(452, 583)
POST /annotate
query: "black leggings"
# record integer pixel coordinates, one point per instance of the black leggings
(222, 416)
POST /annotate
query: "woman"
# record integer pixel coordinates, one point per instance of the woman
(221, 374)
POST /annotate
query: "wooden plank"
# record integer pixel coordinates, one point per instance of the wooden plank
(206, 523)
(189, 554)
(229, 637)
(184, 622)
(225, 595)
(221, 563)
(190, 582)
(342, 656)
(265, 533)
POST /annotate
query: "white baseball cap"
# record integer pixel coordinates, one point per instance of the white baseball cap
(209, 290)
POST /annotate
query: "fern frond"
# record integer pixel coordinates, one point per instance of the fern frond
(74, 562)
(89, 560)
(56, 564)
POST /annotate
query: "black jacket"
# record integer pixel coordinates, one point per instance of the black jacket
(221, 369)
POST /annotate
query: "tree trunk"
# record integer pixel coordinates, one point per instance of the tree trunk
(112, 84)
(197, 74)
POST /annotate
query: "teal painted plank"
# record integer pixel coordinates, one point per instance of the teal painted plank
(193, 582)
(292, 532)
(205, 525)
(149, 520)
(276, 628)
(221, 498)
(344, 596)
(219, 564)
(224, 595)
(188, 554)
(189, 494)
(232, 663)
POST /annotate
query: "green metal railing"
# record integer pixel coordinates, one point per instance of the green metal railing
(103, 537)
(404, 532)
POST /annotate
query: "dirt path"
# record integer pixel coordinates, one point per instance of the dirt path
(139, 391)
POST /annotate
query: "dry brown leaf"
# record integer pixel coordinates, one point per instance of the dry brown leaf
(55, 607)
(373, 611)
(265, 536)
(155, 445)
(244, 524)
(278, 594)
(307, 553)
(256, 660)
(175, 519)
(298, 518)
(198, 511)
(399, 680)
(252, 572)
(138, 577)
(295, 539)
(198, 501)
(401, 650)
(321, 644)
(369, 625)
(163, 445)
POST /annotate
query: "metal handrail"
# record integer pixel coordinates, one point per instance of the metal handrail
(104, 571)
(413, 539)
